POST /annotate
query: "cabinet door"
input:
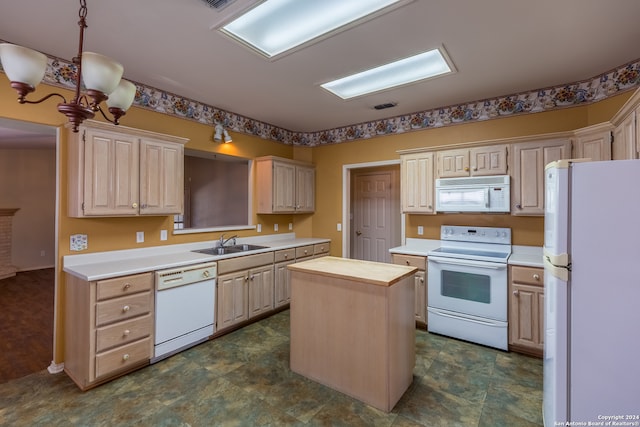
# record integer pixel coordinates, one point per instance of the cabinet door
(490, 160)
(421, 296)
(110, 174)
(595, 146)
(624, 139)
(524, 320)
(529, 160)
(453, 163)
(417, 183)
(282, 284)
(284, 179)
(260, 290)
(305, 189)
(231, 299)
(161, 178)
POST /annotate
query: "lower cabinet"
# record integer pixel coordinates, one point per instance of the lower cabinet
(420, 279)
(526, 310)
(109, 327)
(283, 258)
(245, 288)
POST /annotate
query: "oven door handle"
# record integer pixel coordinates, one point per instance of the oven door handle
(486, 322)
(467, 263)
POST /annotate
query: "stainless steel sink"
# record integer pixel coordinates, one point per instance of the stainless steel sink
(232, 249)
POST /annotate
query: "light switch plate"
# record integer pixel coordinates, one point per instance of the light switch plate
(275, 227)
(290, 226)
(420, 230)
(163, 234)
(139, 236)
(79, 242)
(259, 228)
(339, 227)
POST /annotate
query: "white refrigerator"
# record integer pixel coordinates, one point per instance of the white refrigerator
(592, 293)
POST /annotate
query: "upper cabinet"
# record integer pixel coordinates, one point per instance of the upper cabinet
(284, 186)
(527, 174)
(476, 161)
(627, 130)
(416, 170)
(124, 172)
(593, 142)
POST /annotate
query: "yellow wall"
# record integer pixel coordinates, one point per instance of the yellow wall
(119, 233)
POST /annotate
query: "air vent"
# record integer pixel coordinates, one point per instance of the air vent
(218, 4)
(385, 106)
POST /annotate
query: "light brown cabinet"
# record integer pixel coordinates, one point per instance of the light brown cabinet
(476, 161)
(283, 258)
(420, 282)
(109, 327)
(527, 178)
(245, 288)
(417, 183)
(526, 309)
(625, 135)
(284, 186)
(593, 142)
(124, 172)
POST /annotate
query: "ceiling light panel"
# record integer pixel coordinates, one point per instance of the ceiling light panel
(405, 71)
(277, 26)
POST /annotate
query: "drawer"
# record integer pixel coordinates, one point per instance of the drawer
(285, 255)
(123, 308)
(321, 248)
(304, 251)
(528, 275)
(244, 262)
(121, 286)
(410, 260)
(123, 332)
(122, 358)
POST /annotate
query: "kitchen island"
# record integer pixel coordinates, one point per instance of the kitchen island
(353, 328)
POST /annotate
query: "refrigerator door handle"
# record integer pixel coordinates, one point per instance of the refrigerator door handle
(559, 260)
(561, 273)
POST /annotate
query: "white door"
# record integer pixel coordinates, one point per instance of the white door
(372, 216)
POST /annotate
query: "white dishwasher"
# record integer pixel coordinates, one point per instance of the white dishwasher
(185, 308)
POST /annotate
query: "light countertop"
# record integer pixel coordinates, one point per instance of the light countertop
(528, 256)
(104, 265)
(375, 273)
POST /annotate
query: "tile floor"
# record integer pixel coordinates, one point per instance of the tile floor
(243, 379)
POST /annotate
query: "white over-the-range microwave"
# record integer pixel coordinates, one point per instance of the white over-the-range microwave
(473, 194)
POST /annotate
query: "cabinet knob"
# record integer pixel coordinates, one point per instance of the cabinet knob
(408, 263)
(251, 278)
(126, 286)
(475, 168)
(206, 273)
(421, 280)
(286, 256)
(125, 357)
(536, 276)
(358, 233)
(126, 332)
(126, 308)
(466, 168)
(430, 207)
(518, 206)
(134, 206)
(515, 292)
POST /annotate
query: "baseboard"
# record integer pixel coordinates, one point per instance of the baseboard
(55, 368)
(41, 267)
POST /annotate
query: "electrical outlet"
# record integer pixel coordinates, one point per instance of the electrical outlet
(42, 253)
(259, 230)
(339, 227)
(290, 226)
(139, 236)
(163, 234)
(420, 230)
(275, 227)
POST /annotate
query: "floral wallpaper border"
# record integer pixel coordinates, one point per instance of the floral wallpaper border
(62, 73)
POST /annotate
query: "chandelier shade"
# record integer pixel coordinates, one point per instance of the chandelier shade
(22, 64)
(100, 72)
(123, 95)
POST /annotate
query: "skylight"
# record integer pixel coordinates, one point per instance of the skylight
(277, 26)
(408, 70)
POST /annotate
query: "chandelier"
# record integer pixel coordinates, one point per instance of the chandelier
(101, 76)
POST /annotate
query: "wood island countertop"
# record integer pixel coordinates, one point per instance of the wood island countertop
(375, 273)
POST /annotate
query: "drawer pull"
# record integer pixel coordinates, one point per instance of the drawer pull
(515, 293)
(126, 332)
(286, 256)
(407, 261)
(126, 286)
(536, 276)
(125, 357)
(126, 308)
(305, 252)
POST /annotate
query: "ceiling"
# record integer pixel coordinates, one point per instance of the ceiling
(499, 47)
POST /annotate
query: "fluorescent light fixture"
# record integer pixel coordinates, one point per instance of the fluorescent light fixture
(276, 26)
(408, 70)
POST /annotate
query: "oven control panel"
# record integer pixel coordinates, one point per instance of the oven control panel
(475, 234)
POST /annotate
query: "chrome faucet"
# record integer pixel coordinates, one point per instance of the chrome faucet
(224, 241)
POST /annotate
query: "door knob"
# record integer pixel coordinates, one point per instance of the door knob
(358, 233)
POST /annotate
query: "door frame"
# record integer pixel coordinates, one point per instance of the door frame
(346, 202)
